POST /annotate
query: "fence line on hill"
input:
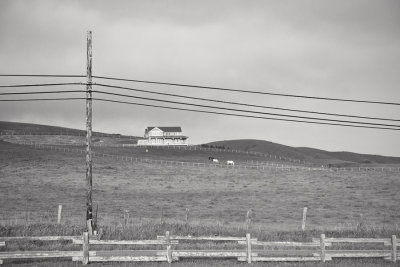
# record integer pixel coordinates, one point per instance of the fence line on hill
(211, 165)
(171, 162)
(77, 133)
(185, 147)
(272, 251)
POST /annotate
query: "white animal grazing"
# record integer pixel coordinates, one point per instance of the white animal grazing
(230, 162)
(215, 160)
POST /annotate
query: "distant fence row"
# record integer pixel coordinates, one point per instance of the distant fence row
(172, 162)
(249, 249)
(257, 166)
(77, 133)
(189, 147)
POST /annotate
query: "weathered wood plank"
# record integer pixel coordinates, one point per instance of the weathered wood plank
(323, 252)
(394, 248)
(85, 248)
(390, 257)
(126, 242)
(2, 243)
(207, 254)
(248, 246)
(125, 258)
(283, 259)
(169, 249)
(355, 254)
(38, 254)
(209, 238)
(42, 238)
(385, 241)
(284, 244)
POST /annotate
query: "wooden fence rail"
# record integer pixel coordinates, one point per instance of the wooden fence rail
(302, 251)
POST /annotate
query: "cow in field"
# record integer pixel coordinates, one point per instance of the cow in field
(230, 162)
(215, 161)
(210, 158)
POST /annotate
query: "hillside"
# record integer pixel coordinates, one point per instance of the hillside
(310, 155)
(30, 128)
(307, 154)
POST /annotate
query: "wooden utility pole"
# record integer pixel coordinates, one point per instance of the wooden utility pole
(89, 209)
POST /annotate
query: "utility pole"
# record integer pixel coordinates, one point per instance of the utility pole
(89, 209)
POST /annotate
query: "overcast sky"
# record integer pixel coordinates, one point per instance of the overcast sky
(340, 49)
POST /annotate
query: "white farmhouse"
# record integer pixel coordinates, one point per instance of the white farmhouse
(163, 136)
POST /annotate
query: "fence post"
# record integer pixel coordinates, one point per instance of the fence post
(162, 216)
(394, 248)
(322, 242)
(303, 225)
(85, 247)
(248, 243)
(169, 250)
(59, 214)
(187, 215)
(248, 219)
(126, 217)
(89, 226)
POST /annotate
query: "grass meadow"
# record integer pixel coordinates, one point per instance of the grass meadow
(34, 182)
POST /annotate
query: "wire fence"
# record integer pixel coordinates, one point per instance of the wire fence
(175, 147)
(247, 165)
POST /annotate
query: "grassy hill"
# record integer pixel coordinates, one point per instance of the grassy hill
(305, 153)
(25, 128)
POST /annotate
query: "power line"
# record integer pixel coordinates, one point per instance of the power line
(241, 110)
(39, 84)
(242, 115)
(242, 104)
(199, 111)
(43, 92)
(42, 99)
(42, 75)
(249, 92)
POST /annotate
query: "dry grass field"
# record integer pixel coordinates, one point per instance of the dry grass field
(34, 182)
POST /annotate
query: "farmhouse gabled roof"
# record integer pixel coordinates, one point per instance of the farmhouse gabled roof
(165, 129)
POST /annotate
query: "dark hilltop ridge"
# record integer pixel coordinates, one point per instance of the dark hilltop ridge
(310, 155)
(305, 153)
(8, 127)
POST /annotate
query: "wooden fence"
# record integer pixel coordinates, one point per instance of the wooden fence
(250, 251)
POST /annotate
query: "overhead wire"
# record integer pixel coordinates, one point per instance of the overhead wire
(38, 85)
(241, 110)
(191, 104)
(204, 87)
(247, 91)
(198, 105)
(243, 115)
(43, 75)
(42, 99)
(241, 104)
(43, 92)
